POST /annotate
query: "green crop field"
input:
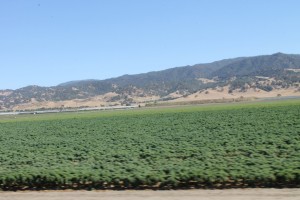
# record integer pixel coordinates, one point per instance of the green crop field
(217, 146)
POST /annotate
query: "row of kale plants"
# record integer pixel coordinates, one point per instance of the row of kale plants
(245, 147)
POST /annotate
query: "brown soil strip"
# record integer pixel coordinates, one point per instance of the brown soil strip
(229, 194)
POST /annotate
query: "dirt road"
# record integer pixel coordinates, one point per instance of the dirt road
(230, 194)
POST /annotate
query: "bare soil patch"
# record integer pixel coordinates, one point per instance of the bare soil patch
(230, 194)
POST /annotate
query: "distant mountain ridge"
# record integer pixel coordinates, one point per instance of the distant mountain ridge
(259, 66)
(155, 77)
(75, 82)
(236, 73)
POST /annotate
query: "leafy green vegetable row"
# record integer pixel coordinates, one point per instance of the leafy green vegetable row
(215, 148)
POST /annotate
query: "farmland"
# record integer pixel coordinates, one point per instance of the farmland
(222, 146)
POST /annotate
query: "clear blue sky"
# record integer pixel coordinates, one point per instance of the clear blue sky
(47, 42)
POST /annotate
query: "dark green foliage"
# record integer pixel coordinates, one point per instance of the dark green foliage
(267, 88)
(242, 147)
(240, 83)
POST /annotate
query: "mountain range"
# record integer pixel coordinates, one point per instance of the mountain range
(264, 73)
